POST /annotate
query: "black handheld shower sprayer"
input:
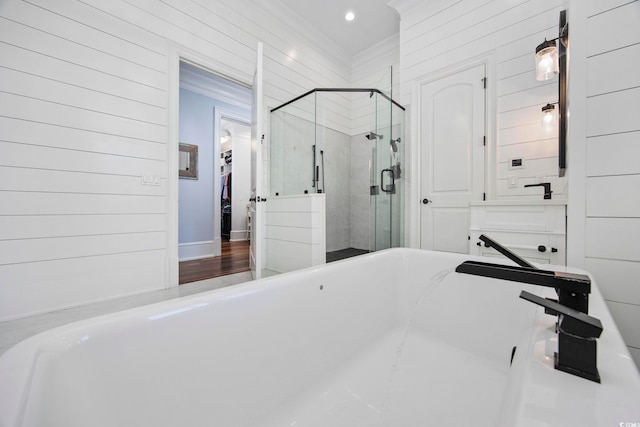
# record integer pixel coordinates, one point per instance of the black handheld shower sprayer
(394, 144)
(322, 163)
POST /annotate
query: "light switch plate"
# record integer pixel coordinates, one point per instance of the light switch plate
(150, 180)
(513, 181)
(516, 163)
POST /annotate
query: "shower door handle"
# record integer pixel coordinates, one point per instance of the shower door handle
(392, 188)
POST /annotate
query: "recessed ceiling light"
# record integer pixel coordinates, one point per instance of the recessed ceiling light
(350, 16)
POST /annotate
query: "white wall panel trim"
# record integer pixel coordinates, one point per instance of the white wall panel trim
(57, 15)
(597, 7)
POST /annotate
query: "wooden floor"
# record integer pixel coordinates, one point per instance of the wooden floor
(234, 259)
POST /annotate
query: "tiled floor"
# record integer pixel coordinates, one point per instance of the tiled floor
(14, 331)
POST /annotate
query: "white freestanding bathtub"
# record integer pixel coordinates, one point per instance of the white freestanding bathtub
(394, 338)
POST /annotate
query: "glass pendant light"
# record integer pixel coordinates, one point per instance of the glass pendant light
(548, 117)
(546, 60)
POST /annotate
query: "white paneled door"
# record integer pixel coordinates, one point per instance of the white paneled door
(257, 192)
(452, 128)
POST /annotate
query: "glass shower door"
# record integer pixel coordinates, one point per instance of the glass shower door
(387, 158)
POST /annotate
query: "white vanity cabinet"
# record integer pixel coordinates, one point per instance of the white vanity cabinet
(535, 231)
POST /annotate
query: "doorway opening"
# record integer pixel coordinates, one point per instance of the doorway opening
(214, 116)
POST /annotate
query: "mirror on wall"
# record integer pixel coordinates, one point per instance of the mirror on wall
(188, 161)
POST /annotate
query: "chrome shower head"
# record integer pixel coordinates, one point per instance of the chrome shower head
(372, 135)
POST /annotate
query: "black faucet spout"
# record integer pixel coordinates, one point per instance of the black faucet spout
(572, 289)
(547, 189)
(490, 243)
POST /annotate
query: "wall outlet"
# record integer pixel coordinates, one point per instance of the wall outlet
(513, 181)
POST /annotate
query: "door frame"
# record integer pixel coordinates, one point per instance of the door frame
(179, 53)
(257, 199)
(414, 191)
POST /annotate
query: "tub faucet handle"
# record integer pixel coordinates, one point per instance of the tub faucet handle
(577, 333)
(547, 188)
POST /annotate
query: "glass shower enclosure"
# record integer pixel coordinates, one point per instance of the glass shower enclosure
(348, 144)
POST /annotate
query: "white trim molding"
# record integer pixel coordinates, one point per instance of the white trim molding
(198, 250)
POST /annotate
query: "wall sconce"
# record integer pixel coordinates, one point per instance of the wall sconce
(546, 60)
(547, 63)
(548, 116)
(551, 59)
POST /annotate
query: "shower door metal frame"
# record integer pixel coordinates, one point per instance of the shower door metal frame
(372, 90)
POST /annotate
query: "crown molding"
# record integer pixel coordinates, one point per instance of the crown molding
(214, 87)
(403, 5)
(305, 31)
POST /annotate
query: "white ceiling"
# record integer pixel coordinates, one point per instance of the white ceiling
(375, 21)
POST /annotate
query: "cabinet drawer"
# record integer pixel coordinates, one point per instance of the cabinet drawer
(542, 218)
(542, 248)
(536, 232)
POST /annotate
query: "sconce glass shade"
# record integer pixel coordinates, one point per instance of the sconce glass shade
(546, 60)
(548, 117)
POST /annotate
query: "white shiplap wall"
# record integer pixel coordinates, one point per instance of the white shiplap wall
(295, 232)
(84, 90)
(612, 223)
(439, 36)
(372, 69)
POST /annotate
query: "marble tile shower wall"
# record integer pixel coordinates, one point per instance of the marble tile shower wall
(291, 173)
(351, 219)
(337, 183)
(291, 167)
(346, 175)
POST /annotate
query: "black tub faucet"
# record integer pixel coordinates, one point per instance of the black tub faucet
(547, 188)
(573, 289)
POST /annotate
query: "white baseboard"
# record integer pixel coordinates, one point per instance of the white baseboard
(197, 250)
(238, 235)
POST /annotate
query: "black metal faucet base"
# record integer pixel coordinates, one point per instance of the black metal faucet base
(593, 376)
(576, 354)
(577, 333)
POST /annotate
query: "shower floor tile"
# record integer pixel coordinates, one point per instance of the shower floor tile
(345, 253)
